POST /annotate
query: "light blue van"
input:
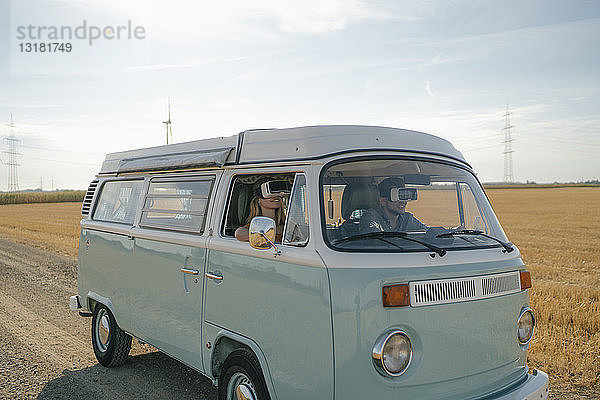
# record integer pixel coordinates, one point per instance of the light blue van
(390, 277)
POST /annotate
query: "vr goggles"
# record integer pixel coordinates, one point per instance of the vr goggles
(275, 188)
(402, 193)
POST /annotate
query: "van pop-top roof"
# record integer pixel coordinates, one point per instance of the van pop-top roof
(271, 145)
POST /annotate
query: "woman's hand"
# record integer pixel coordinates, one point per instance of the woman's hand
(242, 234)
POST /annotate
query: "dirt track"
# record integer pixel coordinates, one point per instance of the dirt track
(45, 349)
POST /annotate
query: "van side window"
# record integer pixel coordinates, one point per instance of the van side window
(296, 227)
(244, 189)
(177, 204)
(118, 201)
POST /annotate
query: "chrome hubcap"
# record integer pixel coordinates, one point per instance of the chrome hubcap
(240, 388)
(243, 392)
(102, 330)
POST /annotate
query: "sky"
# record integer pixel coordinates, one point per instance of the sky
(449, 68)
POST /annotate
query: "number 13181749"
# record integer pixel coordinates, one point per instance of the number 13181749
(45, 47)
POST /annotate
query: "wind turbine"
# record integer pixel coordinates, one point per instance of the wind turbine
(168, 125)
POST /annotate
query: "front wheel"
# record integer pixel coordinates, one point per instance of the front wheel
(242, 378)
(111, 344)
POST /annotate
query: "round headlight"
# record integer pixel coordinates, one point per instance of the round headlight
(392, 353)
(525, 326)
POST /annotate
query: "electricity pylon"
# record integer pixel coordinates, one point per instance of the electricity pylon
(508, 161)
(11, 141)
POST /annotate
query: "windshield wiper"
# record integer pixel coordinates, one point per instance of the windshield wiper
(508, 246)
(382, 234)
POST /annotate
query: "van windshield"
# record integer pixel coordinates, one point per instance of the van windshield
(406, 205)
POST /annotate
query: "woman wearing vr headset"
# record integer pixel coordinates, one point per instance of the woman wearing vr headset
(267, 202)
(392, 215)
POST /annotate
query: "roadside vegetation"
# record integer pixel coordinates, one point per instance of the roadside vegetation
(42, 197)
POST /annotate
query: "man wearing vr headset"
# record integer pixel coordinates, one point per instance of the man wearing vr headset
(392, 215)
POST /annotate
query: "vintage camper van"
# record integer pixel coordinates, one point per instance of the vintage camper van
(375, 267)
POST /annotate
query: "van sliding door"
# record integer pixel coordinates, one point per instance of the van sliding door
(168, 265)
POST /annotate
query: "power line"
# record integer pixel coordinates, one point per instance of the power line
(562, 140)
(62, 161)
(59, 150)
(472, 139)
(541, 147)
(489, 146)
(562, 149)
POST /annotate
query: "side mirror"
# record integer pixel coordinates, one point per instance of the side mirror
(262, 234)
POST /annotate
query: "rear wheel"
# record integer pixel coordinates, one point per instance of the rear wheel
(242, 378)
(111, 344)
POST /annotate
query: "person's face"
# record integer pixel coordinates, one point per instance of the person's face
(394, 207)
(270, 202)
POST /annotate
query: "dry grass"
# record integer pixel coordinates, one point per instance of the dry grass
(52, 226)
(556, 229)
(558, 233)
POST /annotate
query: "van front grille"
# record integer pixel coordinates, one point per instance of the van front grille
(500, 284)
(443, 291)
(89, 196)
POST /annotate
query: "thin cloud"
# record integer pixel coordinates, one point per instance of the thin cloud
(388, 79)
(205, 61)
(158, 67)
(440, 59)
(238, 19)
(428, 89)
(510, 36)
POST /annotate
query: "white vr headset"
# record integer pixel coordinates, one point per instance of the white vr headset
(403, 194)
(275, 188)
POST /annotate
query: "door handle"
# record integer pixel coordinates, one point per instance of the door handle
(190, 271)
(211, 275)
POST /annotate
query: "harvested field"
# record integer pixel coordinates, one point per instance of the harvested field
(556, 229)
(51, 226)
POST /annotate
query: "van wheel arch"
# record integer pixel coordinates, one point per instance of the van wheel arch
(93, 299)
(242, 377)
(91, 304)
(225, 346)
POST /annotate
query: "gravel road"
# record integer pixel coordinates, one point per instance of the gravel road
(45, 349)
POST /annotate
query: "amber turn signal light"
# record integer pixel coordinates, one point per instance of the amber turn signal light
(396, 296)
(525, 280)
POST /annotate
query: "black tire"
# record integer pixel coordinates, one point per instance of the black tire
(242, 367)
(110, 343)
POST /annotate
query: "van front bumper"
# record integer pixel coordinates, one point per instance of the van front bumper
(74, 303)
(535, 387)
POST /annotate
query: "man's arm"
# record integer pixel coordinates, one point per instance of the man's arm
(414, 224)
(369, 222)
